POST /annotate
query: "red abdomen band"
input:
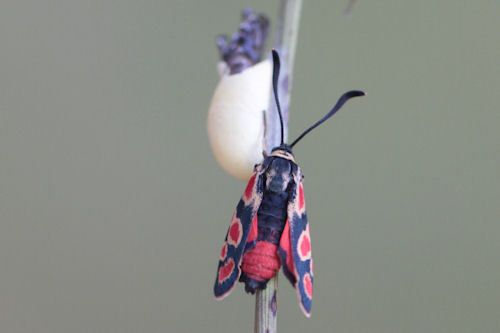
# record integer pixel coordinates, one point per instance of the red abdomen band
(262, 262)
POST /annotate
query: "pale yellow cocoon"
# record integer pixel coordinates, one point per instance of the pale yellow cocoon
(236, 119)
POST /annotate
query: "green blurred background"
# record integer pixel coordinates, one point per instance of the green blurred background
(113, 209)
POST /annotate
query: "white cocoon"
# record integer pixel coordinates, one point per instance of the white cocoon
(236, 120)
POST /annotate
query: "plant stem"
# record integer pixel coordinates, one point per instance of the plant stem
(284, 42)
(266, 307)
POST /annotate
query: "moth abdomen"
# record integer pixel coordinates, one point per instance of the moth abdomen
(259, 265)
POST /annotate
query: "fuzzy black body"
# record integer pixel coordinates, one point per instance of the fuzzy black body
(269, 230)
(271, 216)
(263, 261)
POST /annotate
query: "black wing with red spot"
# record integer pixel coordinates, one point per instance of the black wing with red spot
(295, 246)
(241, 236)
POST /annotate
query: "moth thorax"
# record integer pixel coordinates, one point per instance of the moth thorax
(278, 175)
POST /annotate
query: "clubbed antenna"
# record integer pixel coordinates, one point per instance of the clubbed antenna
(344, 98)
(276, 74)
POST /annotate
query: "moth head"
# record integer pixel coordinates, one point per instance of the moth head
(279, 171)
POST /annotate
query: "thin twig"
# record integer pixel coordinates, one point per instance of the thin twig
(285, 42)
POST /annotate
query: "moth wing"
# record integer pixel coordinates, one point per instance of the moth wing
(241, 235)
(286, 254)
(295, 246)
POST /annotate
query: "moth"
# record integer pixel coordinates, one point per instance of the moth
(269, 228)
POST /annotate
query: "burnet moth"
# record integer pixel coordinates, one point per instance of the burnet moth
(269, 227)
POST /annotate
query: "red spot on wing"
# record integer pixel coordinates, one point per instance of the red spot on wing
(304, 245)
(235, 232)
(301, 203)
(223, 252)
(308, 286)
(247, 195)
(226, 270)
